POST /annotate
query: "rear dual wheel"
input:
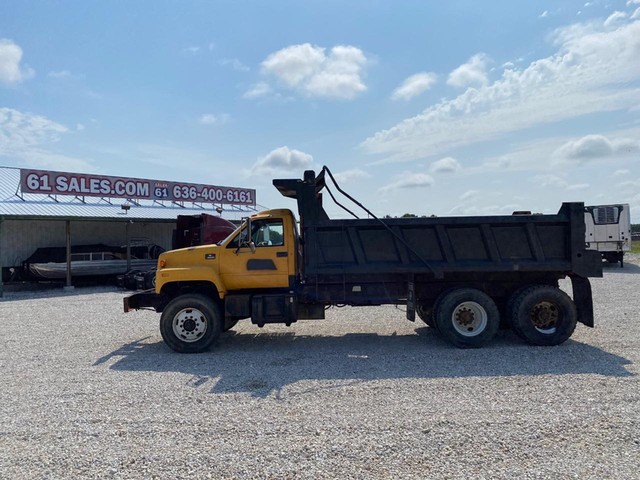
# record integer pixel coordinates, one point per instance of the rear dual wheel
(542, 315)
(467, 317)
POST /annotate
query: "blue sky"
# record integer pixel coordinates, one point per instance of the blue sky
(447, 108)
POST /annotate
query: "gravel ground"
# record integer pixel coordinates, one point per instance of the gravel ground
(91, 392)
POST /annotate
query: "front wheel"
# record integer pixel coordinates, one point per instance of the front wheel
(543, 315)
(466, 317)
(190, 323)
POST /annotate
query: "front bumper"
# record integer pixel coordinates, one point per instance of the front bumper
(146, 299)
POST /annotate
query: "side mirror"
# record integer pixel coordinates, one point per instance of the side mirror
(245, 239)
(245, 243)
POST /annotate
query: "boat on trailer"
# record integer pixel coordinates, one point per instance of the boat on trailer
(50, 263)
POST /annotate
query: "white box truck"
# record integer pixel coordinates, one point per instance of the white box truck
(608, 230)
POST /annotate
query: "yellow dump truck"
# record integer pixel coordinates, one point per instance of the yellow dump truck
(464, 276)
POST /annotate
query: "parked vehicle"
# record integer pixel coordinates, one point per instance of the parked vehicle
(203, 229)
(608, 230)
(461, 275)
(50, 263)
(191, 230)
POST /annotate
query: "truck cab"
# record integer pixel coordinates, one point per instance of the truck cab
(260, 254)
(226, 280)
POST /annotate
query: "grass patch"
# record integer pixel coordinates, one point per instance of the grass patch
(635, 246)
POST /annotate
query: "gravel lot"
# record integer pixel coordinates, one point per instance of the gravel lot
(88, 391)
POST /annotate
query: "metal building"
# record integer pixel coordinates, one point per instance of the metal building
(32, 220)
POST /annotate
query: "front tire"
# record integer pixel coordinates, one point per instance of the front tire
(467, 318)
(190, 323)
(543, 315)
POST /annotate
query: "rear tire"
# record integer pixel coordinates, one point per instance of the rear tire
(467, 318)
(190, 323)
(543, 315)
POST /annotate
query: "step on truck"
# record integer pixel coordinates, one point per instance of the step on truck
(463, 276)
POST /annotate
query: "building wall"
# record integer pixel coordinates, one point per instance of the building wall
(20, 238)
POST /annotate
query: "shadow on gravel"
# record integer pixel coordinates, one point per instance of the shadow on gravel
(36, 293)
(267, 362)
(615, 268)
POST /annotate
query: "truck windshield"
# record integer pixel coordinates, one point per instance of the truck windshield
(243, 227)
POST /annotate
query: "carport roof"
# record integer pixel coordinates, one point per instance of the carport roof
(17, 205)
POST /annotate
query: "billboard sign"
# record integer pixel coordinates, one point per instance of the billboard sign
(64, 183)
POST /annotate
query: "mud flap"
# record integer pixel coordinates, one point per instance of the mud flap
(583, 299)
(411, 302)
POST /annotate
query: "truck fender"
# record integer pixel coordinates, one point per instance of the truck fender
(192, 274)
(583, 300)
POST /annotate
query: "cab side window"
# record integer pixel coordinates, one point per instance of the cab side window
(264, 233)
(270, 233)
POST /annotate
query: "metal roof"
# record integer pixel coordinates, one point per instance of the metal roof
(18, 205)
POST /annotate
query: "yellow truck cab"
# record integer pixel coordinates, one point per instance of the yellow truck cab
(204, 290)
(264, 259)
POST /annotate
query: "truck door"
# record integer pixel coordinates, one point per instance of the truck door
(266, 266)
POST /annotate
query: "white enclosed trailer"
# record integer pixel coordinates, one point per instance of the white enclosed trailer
(608, 230)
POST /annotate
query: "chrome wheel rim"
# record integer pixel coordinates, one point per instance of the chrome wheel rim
(189, 325)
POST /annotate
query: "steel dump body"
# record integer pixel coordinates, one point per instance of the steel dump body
(446, 245)
(371, 261)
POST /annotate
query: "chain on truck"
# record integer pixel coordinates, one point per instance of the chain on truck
(464, 276)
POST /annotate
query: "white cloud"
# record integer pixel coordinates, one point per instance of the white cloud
(549, 180)
(65, 75)
(593, 147)
(234, 63)
(544, 14)
(614, 18)
(282, 160)
(21, 131)
(635, 15)
(409, 180)
(474, 72)
(414, 86)
(592, 71)
(258, 90)
(349, 175)
(557, 182)
(445, 165)
(11, 73)
(469, 194)
(59, 74)
(214, 119)
(620, 173)
(25, 138)
(308, 69)
(633, 2)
